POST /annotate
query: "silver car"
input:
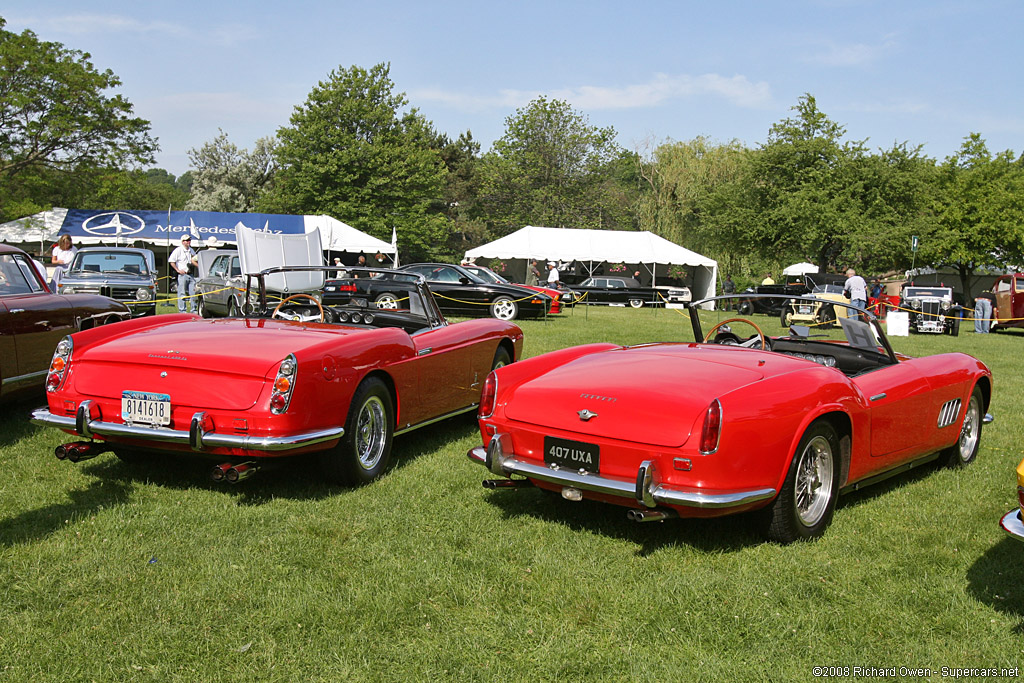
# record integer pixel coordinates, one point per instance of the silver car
(125, 274)
(221, 286)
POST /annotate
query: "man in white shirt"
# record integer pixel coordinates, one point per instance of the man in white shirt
(553, 275)
(183, 261)
(857, 288)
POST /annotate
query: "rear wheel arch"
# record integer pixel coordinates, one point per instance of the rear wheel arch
(510, 348)
(843, 426)
(390, 384)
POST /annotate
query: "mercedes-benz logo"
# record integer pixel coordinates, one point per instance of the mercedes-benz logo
(113, 224)
(585, 414)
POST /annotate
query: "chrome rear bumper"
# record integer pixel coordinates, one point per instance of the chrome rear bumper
(1012, 524)
(645, 489)
(88, 422)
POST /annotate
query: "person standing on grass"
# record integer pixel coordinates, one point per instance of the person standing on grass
(184, 260)
(984, 303)
(857, 288)
(61, 256)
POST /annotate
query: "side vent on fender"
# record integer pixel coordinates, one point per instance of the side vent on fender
(949, 413)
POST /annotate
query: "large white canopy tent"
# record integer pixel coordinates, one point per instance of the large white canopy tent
(593, 248)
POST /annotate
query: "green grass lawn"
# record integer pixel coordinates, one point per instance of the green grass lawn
(112, 572)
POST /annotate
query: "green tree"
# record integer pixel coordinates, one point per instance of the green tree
(55, 113)
(351, 152)
(227, 178)
(552, 168)
(979, 212)
(461, 202)
(805, 188)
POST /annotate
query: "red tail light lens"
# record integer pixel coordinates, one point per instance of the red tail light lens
(59, 364)
(487, 396)
(712, 429)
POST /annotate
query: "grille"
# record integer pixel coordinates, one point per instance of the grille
(119, 293)
(931, 309)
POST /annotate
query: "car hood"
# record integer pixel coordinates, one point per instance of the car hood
(206, 363)
(651, 394)
(87, 277)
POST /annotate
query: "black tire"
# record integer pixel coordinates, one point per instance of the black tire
(232, 308)
(827, 317)
(746, 308)
(363, 453)
(954, 327)
(804, 507)
(965, 450)
(387, 301)
(203, 311)
(501, 358)
(504, 308)
(636, 303)
(786, 316)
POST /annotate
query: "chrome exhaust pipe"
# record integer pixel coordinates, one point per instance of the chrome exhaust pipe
(650, 515)
(220, 472)
(77, 451)
(506, 483)
(241, 472)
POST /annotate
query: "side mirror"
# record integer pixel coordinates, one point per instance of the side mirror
(464, 280)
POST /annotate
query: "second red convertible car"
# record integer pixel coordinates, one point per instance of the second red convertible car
(733, 421)
(297, 377)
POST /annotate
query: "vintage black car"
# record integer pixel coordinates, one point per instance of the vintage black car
(614, 290)
(460, 292)
(770, 305)
(931, 309)
(125, 274)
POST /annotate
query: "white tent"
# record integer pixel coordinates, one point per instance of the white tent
(339, 236)
(800, 269)
(592, 248)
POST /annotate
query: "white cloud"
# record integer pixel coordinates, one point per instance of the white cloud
(661, 89)
(114, 24)
(851, 54)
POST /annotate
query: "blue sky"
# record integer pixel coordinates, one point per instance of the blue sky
(928, 73)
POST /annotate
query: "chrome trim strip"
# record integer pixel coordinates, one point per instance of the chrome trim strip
(24, 379)
(878, 397)
(460, 411)
(1012, 524)
(207, 440)
(507, 465)
(989, 417)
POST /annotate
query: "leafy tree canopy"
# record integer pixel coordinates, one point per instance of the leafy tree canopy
(352, 153)
(55, 111)
(230, 179)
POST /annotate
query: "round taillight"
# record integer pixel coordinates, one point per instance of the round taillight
(57, 364)
(487, 396)
(52, 381)
(712, 429)
(278, 402)
(282, 384)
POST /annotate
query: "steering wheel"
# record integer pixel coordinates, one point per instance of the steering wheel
(760, 334)
(312, 298)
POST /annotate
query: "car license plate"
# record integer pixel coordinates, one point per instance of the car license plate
(804, 310)
(573, 455)
(144, 407)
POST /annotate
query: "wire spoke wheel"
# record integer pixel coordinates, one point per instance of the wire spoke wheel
(814, 480)
(371, 433)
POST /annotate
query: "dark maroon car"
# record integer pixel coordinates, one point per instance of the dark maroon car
(33, 320)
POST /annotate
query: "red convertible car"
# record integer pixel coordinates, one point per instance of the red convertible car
(737, 420)
(33, 320)
(295, 377)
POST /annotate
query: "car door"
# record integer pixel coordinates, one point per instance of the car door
(450, 377)
(901, 403)
(33, 322)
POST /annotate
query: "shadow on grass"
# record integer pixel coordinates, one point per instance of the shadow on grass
(721, 534)
(997, 579)
(291, 477)
(37, 524)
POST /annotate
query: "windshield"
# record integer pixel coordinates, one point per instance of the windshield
(940, 292)
(487, 275)
(130, 262)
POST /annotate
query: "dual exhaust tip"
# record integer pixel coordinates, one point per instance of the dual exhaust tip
(77, 451)
(232, 473)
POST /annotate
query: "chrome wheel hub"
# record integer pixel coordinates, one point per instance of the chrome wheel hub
(814, 481)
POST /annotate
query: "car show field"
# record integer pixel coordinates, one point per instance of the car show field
(159, 574)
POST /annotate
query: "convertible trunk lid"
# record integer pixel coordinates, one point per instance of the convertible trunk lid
(208, 363)
(664, 388)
